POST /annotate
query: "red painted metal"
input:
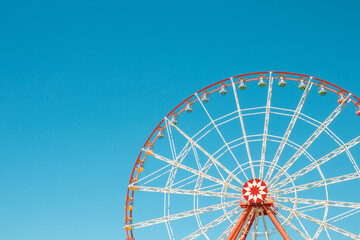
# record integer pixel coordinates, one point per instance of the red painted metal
(276, 222)
(130, 193)
(236, 230)
(244, 233)
(255, 191)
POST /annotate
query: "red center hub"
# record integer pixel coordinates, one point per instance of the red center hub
(255, 191)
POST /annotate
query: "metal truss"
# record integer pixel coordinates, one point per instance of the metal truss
(308, 142)
(318, 162)
(195, 172)
(266, 127)
(317, 202)
(217, 163)
(323, 224)
(209, 175)
(288, 131)
(184, 214)
(213, 223)
(188, 192)
(316, 184)
(242, 126)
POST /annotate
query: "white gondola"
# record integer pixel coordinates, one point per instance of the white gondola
(321, 89)
(205, 98)
(341, 96)
(302, 83)
(262, 80)
(223, 89)
(174, 118)
(160, 133)
(133, 185)
(282, 80)
(357, 108)
(242, 83)
(128, 223)
(130, 203)
(189, 106)
(149, 148)
(140, 165)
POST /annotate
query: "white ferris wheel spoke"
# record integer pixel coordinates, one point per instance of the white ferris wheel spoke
(318, 162)
(171, 141)
(318, 202)
(196, 156)
(183, 154)
(327, 233)
(266, 126)
(321, 223)
(276, 176)
(222, 137)
(188, 192)
(248, 221)
(308, 142)
(189, 146)
(226, 233)
(288, 131)
(195, 172)
(310, 208)
(317, 184)
(214, 223)
(154, 176)
(216, 162)
(187, 149)
(343, 215)
(265, 227)
(243, 128)
(290, 224)
(302, 226)
(184, 214)
(256, 224)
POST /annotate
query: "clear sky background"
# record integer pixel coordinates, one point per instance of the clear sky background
(83, 84)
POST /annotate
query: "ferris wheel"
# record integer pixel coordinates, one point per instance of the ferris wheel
(266, 155)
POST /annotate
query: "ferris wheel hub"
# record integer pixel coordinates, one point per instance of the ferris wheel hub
(255, 191)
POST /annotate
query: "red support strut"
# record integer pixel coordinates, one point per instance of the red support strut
(255, 194)
(244, 233)
(276, 222)
(236, 230)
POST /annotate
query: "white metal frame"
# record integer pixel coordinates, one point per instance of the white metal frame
(228, 189)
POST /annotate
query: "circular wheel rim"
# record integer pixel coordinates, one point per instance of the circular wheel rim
(272, 183)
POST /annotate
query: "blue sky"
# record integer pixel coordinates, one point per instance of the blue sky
(83, 84)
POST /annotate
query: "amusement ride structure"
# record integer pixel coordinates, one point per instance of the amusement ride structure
(251, 163)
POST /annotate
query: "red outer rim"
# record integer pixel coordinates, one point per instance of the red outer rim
(353, 98)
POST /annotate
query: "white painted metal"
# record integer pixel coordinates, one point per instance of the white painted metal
(195, 172)
(213, 223)
(288, 130)
(291, 225)
(222, 137)
(242, 126)
(266, 126)
(208, 155)
(318, 202)
(184, 214)
(224, 188)
(316, 184)
(322, 223)
(319, 162)
(308, 142)
(265, 227)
